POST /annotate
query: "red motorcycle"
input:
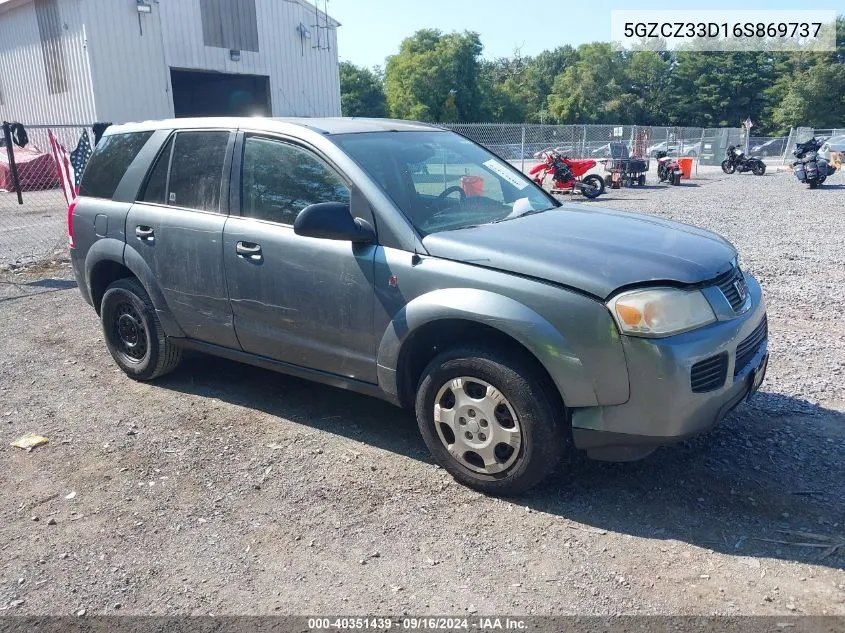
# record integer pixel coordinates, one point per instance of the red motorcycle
(566, 173)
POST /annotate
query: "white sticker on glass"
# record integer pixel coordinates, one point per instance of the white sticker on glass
(505, 173)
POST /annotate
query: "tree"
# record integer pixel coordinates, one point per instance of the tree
(719, 89)
(540, 74)
(646, 78)
(815, 98)
(361, 92)
(428, 69)
(590, 90)
(505, 94)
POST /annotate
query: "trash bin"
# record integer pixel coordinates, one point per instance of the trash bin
(686, 167)
(472, 185)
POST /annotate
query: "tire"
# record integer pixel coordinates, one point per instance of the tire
(641, 180)
(758, 168)
(728, 167)
(608, 181)
(676, 179)
(595, 186)
(542, 438)
(133, 333)
(813, 183)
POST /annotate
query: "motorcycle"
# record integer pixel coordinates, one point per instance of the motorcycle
(736, 160)
(668, 169)
(811, 168)
(566, 173)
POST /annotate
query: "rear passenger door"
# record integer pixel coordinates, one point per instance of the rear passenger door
(176, 226)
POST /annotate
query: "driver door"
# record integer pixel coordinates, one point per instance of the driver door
(300, 300)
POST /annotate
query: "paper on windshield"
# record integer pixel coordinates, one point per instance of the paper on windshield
(505, 173)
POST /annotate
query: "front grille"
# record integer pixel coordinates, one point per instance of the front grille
(709, 374)
(727, 283)
(745, 351)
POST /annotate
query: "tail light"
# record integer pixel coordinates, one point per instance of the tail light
(70, 209)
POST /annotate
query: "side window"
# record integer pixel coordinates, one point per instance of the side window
(110, 160)
(279, 180)
(156, 188)
(196, 170)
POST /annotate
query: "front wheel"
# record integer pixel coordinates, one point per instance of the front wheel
(728, 167)
(489, 421)
(133, 332)
(592, 186)
(641, 180)
(813, 183)
(676, 179)
(758, 168)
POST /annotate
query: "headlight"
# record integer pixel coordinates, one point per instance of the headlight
(660, 311)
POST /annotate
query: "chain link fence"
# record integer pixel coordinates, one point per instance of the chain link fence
(33, 209)
(519, 143)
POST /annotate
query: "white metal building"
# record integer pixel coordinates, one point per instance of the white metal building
(79, 61)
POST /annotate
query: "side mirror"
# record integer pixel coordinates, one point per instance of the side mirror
(332, 221)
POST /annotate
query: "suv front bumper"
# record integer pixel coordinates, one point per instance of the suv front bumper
(663, 408)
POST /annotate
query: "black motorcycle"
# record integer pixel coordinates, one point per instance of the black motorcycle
(736, 160)
(810, 167)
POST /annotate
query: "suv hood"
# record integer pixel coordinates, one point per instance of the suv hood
(592, 249)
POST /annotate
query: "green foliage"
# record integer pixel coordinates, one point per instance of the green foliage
(441, 77)
(435, 76)
(361, 92)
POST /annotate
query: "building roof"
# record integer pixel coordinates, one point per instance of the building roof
(7, 5)
(323, 125)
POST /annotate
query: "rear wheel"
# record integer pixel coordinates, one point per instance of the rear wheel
(728, 167)
(592, 186)
(133, 333)
(488, 420)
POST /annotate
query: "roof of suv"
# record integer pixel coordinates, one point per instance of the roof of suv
(324, 125)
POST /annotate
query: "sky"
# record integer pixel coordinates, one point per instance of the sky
(373, 29)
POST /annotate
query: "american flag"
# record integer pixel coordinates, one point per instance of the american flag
(79, 157)
(64, 168)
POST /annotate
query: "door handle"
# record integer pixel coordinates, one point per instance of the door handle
(145, 233)
(249, 250)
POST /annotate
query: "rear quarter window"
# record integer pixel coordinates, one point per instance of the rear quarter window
(111, 158)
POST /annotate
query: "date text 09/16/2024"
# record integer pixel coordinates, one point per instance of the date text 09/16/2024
(377, 623)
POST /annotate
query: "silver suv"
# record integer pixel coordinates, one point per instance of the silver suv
(406, 262)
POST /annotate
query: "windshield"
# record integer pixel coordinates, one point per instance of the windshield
(442, 181)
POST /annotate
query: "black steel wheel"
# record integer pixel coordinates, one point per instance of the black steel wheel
(133, 332)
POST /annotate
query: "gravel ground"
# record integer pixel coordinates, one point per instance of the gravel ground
(230, 490)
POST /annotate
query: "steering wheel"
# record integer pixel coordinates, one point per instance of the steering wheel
(450, 190)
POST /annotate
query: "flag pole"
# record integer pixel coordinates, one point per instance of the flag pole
(13, 166)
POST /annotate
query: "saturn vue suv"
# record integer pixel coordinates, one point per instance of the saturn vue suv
(407, 262)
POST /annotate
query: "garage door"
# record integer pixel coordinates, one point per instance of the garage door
(198, 93)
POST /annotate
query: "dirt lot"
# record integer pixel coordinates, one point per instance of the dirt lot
(231, 490)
